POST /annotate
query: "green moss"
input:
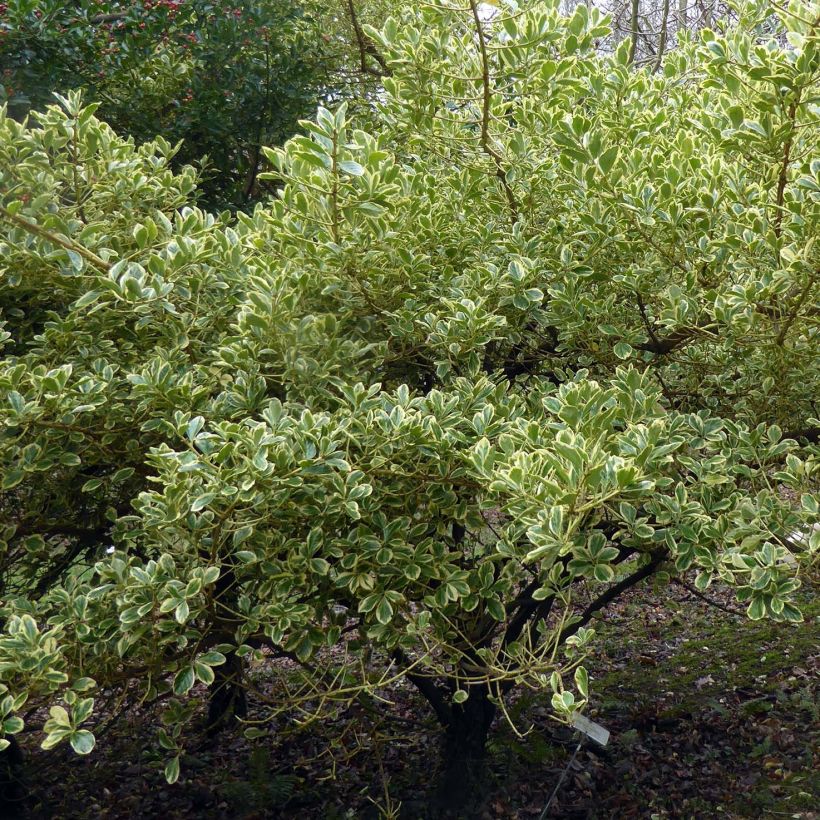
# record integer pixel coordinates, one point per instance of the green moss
(695, 664)
(727, 653)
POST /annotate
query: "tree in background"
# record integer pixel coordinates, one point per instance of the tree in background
(222, 78)
(547, 331)
(653, 26)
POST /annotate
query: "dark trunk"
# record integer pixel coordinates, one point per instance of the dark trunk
(228, 700)
(463, 780)
(12, 792)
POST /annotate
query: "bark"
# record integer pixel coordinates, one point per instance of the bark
(366, 46)
(811, 434)
(682, 21)
(463, 779)
(228, 699)
(662, 37)
(633, 30)
(612, 593)
(12, 791)
(487, 91)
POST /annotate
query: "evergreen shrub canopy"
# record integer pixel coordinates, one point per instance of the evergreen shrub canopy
(549, 331)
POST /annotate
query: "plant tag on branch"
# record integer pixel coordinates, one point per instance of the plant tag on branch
(591, 729)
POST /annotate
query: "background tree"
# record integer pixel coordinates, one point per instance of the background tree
(549, 332)
(221, 78)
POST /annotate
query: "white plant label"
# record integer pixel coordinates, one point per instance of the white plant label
(591, 729)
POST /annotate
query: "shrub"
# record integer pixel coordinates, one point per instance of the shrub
(467, 380)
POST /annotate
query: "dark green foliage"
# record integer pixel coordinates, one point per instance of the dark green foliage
(223, 77)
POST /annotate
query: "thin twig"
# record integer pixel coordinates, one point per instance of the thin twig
(781, 337)
(366, 47)
(706, 599)
(32, 227)
(488, 149)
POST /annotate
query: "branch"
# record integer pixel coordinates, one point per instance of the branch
(32, 227)
(711, 601)
(783, 176)
(64, 530)
(366, 47)
(633, 30)
(526, 610)
(811, 434)
(432, 694)
(612, 593)
(781, 337)
(111, 17)
(676, 339)
(647, 324)
(531, 360)
(663, 35)
(500, 173)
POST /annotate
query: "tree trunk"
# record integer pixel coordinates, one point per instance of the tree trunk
(228, 700)
(682, 15)
(463, 779)
(12, 792)
(662, 37)
(633, 30)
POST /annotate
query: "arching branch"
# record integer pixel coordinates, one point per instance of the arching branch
(488, 149)
(366, 46)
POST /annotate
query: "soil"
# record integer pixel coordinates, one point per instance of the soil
(710, 715)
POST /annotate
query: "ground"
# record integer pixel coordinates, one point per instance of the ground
(711, 716)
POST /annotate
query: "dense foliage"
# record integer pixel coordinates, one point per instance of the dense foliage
(548, 332)
(222, 78)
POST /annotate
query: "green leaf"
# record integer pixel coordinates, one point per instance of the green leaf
(623, 350)
(202, 501)
(12, 478)
(172, 770)
(195, 425)
(204, 673)
(603, 573)
(82, 742)
(59, 716)
(496, 610)
(349, 166)
(384, 611)
(582, 681)
(212, 658)
(87, 299)
(76, 260)
(736, 115)
(607, 159)
(242, 534)
(313, 159)
(184, 680)
(82, 710)
(756, 609)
